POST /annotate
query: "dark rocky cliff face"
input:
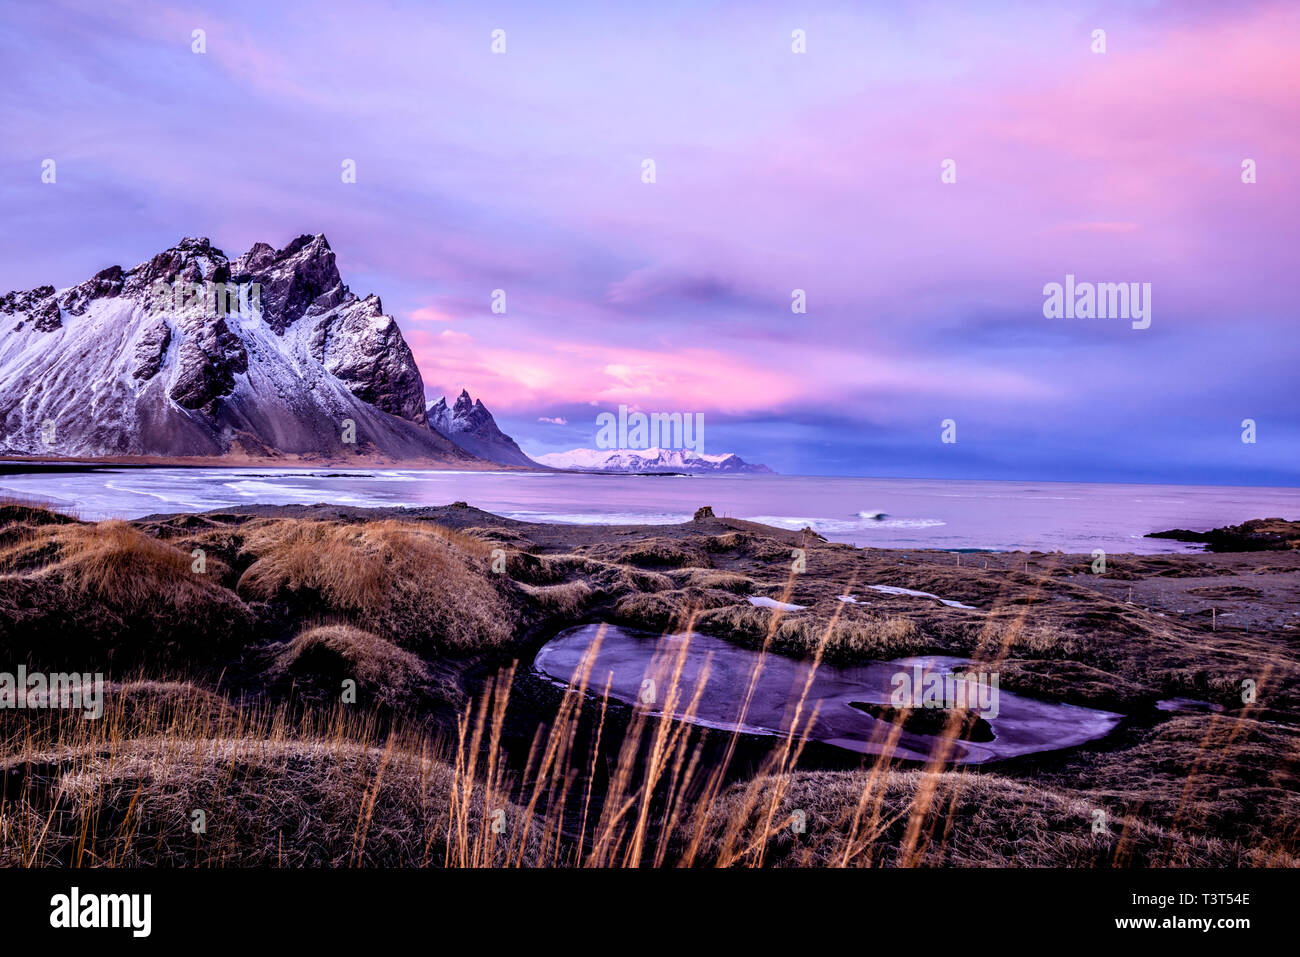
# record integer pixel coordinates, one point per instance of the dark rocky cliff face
(365, 350)
(209, 358)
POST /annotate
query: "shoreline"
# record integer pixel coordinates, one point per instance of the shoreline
(969, 534)
(22, 465)
(11, 463)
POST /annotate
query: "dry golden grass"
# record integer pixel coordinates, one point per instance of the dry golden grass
(20, 522)
(321, 658)
(603, 575)
(113, 561)
(566, 600)
(653, 552)
(80, 595)
(865, 636)
(421, 586)
(601, 784)
(1032, 641)
(665, 611)
(117, 563)
(862, 818)
(710, 578)
(329, 792)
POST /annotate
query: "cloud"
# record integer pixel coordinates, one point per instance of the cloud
(657, 286)
(430, 314)
(776, 172)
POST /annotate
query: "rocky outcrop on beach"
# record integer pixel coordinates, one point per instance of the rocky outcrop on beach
(1257, 535)
(290, 363)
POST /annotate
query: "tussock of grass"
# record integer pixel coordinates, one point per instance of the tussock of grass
(1031, 641)
(954, 819)
(221, 547)
(539, 570)
(83, 596)
(423, 587)
(19, 521)
(602, 575)
(320, 659)
(748, 545)
(709, 578)
(118, 564)
(846, 639)
(568, 599)
(730, 542)
(661, 554)
(654, 553)
(268, 800)
(621, 577)
(672, 610)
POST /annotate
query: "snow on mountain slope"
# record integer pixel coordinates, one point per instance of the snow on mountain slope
(470, 425)
(98, 369)
(649, 460)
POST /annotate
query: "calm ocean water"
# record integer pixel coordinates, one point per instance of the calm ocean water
(918, 513)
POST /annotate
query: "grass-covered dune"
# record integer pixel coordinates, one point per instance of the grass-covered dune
(325, 686)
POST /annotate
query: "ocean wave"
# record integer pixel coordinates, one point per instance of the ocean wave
(297, 494)
(844, 524)
(169, 499)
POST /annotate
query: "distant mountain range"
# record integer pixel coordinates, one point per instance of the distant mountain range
(650, 460)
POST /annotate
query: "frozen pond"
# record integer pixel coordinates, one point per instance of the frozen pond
(1020, 725)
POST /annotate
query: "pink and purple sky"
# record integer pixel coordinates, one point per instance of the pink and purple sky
(775, 171)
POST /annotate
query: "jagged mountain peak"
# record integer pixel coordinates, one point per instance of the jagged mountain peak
(101, 369)
(302, 277)
(471, 426)
(464, 407)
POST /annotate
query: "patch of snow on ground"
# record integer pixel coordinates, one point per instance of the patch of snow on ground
(895, 590)
(763, 602)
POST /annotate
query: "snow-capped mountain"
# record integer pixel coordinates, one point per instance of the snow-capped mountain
(470, 425)
(102, 368)
(649, 460)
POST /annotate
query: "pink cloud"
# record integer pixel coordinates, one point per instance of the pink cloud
(430, 314)
(519, 377)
